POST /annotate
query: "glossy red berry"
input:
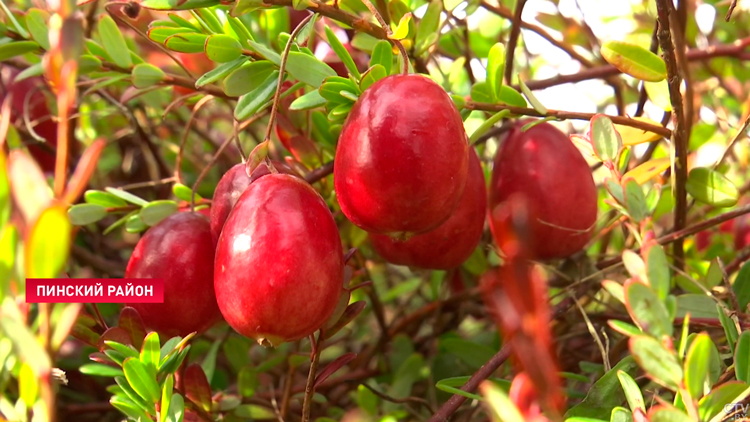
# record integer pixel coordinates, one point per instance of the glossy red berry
(402, 157)
(449, 245)
(228, 191)
(279, 265)
(544, 167)
(178, 250)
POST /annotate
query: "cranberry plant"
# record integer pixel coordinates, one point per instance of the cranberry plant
(371, 211)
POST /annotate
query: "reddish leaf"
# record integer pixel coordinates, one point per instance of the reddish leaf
(349, 314)
(101, 358)
(114, 334)
(333, 367)
(85, 334)
(197, 388)
(131, 322)
(30, 191)
(83, 172)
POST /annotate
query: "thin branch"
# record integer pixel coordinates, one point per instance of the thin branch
(560, 114)
(737, 136)
(513, 40)
(310, 386)
(679, 134)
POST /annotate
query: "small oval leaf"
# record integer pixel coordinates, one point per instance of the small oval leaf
(711, 187)
(634, 60)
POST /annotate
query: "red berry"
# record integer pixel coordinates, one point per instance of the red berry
(179, 251)
(449, 245)
(402, 157)
(279, 265)
(544, 167)
(227, 192)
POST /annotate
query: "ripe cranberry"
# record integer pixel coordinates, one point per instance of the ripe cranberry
(179, 251)
(449, 245)
(402, 157)
(39, 113)
(544, 167)
(279, 265)
(227, 192)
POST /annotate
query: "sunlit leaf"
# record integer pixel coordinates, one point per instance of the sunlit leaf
(113, 42)
(634, 60)
(648, 170)
(660, 363)
(48, 244)
(711, 187)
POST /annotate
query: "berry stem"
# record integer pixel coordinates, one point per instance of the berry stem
(310, 386)
(282, 68)
(387, 29)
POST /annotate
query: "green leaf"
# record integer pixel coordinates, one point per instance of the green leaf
(150, 352)
(8, 250)
(83, 214)
(712, 405)
(178, 4)
(632, 391)
(242, 7)
(250, 103)
(4, 194)
(208, 16)
(449, 385)
(209, 362)
(266, 52)
(48, 244)
(624, 328)
(247, 78)
(730, 328)
(488, 124)
(538, 106)
(146, 75)
(660, 363)
(166, 397)
(713, 276)
(156, 211)
(143, 382)
(222, 48)
(510, 96)
(133, 396)
(247, 381)
(647, 310)
(127, 196)
(606, 140)
(659, 272)
(374, 74)
(605, 394)
(634, 60)
(36, 22)
(382, 54)
(668, 414)
(240, 30)
(711, 187)
(741, 286)
(113, 42)
(13, 21)
(125, 350)
(308, 69)
(308, 101)
(472, 354)
(129, 408)
(635, 201)
(38, 70)
(697, 305)
(367, 400)
(742, 357)
(100, 370)
(220, 72)
(501, 406)
(184, 192)
(342, 53)
(620, 414)
(186, 42)
(495, 69)
(427, 31)
(17, 48)
(176, 409)
(696, 366)
(160, 34)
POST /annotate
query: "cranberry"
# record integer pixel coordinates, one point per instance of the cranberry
(449, 245)
(402, 157)
(227, 192)
(279, 265)
(178, 250)
(545, 168)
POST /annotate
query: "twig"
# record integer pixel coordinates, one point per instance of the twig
(310, 386)
(282, 70)
(410, 399)
(513, 40)
(178, 161)
(560, 114)
(740, 133)
(679, 134)
(389, 33)
(688, 231)
(320, 172)
(731, 9)
(210, 164)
